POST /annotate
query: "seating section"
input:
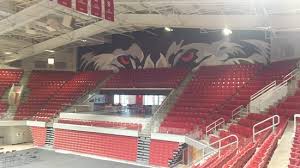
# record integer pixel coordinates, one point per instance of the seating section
(262, 157)
(118, 125)
(242, 158)
(43, 85)
(247, 149)
(209, 89)
(147, 78)
(107, 145)
(38, 136)
(295, 151)
(216, 91)
(8, 77)
(161, 152)
(289, 106)
(275, 71)
(52, 91)
(3, 107)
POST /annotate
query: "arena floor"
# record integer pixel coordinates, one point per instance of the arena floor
(51, 159)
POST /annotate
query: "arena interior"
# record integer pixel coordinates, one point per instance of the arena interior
(149, 83)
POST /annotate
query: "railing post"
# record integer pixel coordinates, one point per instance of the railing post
(220, 148)
(273, 122)
(272, 126)
(295, 121)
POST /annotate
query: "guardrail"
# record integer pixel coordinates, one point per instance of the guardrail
(219, 142)
(236, 111)
(296, 116)
(271, 93)
(291, 74)
(214, 125)
(220, 147)
(274, 123)
(157, 114)
(263, 90)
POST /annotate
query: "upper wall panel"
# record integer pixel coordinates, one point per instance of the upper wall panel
(182, 47)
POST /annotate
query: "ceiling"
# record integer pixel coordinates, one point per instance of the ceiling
(29, 27)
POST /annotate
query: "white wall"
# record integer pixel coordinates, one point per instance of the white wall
(285, 45)
(15, 135)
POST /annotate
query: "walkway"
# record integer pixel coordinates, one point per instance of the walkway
(280, 158)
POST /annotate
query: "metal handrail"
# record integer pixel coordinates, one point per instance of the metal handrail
(263, 90)
(261, 122)
(236, 111)
(283, 83)
(155, 115)
(236, 141)
(292, 73)
(227, 137)
(164, 102)
(295, 121)
(215, 124)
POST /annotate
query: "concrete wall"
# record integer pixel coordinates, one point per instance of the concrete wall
(284, 45)
(15, 135)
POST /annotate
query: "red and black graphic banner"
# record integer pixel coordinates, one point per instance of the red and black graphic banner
(67, 3)
(109, 10)
(96, 8)
(82, 6)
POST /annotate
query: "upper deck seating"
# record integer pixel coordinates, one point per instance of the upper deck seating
(52, 91)
(147, 78)
(210, 87)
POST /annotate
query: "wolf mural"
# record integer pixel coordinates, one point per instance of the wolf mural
(178, 54)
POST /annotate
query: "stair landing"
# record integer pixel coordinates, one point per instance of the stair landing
(281, 155)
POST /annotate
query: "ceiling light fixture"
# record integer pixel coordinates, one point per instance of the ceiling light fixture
(168, 29)
(8, 53)
(51, 61)
(227, 31)
(50, 51)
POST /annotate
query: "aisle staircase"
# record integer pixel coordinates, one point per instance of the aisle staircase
(12, 109)
(281, 155)
(49, 137)
(144, 139)
(165, 107)
(143, 149)
(178, 155)
(83, 100)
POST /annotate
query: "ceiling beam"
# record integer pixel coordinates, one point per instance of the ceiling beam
(32, 13)
(234, 22)
(195, 21)
(62, 40)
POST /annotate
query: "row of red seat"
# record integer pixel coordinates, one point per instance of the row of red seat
(8, 77)
(52, 91)
(119, 125)
(203, 95)
(3, 108)
(295, 151)
(107, 145)
(288, 107)
(247, 149)
(147, 78)
(43, 85)
(274, 71)
(161, 152)
(39, 136)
